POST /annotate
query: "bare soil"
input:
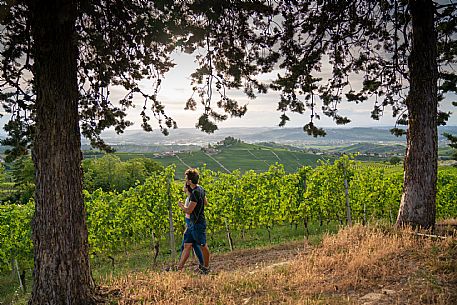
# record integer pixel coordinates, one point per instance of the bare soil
(249, 259)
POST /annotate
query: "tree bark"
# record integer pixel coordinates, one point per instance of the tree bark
(61, 271)
(417, 207)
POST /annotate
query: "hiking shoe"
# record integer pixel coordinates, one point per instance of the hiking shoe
(203, 269)
(170, 268)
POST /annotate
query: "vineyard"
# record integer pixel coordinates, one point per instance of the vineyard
(345, 191)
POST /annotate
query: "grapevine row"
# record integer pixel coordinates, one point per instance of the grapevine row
(341, 191)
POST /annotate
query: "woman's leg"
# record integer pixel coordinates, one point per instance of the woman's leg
(186, 221)
(182, 248)
(185, 256)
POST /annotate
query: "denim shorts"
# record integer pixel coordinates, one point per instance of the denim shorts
(195, 233)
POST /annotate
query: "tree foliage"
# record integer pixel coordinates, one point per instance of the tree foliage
(122, 43)
(232, 40)
(109, 173)
(452, 143)
(229, 141)
(111, 40)
(23, 174)
(367, 44)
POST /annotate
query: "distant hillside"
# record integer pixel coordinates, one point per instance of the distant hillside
(371, 148)
(240, 156)
(335, 136)
(152, 148)
(244, 156)
(191, 139)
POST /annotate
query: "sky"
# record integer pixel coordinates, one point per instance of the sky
(176, 89)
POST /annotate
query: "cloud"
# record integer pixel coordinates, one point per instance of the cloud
(176, 89)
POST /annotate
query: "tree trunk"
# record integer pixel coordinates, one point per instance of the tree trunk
(417, 207)
(61, 271)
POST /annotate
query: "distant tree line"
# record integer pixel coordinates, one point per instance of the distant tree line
(229, 141)
(106, 172)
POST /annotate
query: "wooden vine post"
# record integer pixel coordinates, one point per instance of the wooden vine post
(170, 219)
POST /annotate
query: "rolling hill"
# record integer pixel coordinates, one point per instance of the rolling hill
(242, 156)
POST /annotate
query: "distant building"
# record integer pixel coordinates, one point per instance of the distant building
(210, 150)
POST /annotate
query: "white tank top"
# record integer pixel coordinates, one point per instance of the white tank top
(186, 205)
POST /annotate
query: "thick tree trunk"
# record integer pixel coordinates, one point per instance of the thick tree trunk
(61, 272)
(417, 206)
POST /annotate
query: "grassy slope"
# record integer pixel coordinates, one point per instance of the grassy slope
(370, 148)
(359, 265)
(139, 258)
(244, 157)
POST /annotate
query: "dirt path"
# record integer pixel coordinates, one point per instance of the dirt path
(251, 259)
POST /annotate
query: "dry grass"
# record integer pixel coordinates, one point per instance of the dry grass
(449, 221)
(359, 265)
(447, 227)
